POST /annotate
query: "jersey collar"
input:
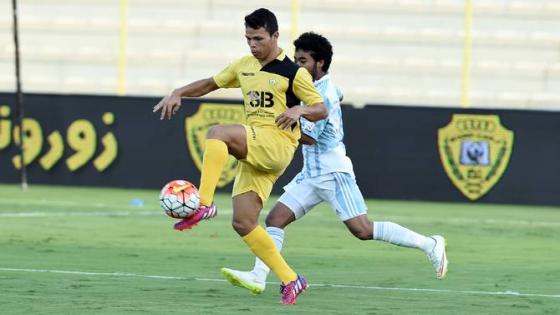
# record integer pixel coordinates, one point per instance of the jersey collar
(326, 77)
(281, 56)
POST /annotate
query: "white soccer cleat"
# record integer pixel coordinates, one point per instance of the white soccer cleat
(438, 257)
(244, 279)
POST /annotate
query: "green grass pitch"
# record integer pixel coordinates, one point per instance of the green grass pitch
(67, 250)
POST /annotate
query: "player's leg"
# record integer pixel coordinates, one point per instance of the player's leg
(280, 216)
(269, 153)
(221, 140)
(255, 280)
(364, 229)
(284, 212)
(276, 220)
(298, 199)
(246, 208)
(352, 211)
(390, 232)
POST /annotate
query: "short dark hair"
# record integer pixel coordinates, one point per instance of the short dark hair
(317, 46)
(262, 18)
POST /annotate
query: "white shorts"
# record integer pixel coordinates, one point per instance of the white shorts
(339, 190)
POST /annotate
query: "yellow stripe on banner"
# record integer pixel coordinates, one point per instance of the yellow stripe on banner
(123, 43)
(467, 54)
(295, 25)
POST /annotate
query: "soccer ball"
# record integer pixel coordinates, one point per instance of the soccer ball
(179, 199)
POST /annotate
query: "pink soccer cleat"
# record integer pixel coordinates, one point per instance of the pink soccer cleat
(291, 290)
(202, 213)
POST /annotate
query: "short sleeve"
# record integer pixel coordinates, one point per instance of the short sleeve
(339, 94)
(227, 78)
(312, 130)
(304, 89)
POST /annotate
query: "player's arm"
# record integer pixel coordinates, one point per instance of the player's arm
(170, 104)
(310, 131)
(304, 89)
(314, 112)
(305, 139)
(197, 88)
(291, 116)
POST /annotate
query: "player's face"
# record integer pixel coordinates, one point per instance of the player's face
(260, 42)
(305, 60)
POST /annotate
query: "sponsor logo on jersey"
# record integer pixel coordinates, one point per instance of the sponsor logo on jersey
(475, 152)
(260, 99)
(196, 126)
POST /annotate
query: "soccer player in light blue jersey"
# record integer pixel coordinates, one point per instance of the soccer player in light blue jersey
(328, 176)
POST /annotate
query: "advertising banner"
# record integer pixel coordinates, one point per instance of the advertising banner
(410, 153)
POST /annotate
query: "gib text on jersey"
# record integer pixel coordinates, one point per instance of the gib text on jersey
(269, 90)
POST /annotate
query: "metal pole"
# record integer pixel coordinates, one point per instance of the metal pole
(19, 115)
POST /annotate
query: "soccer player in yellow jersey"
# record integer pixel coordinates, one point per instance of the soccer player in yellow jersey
(328, 176)
(273, 87)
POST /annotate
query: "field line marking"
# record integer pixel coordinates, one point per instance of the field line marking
(51, 202)
(324, 285)
(136, 211)
(32, 214)
(125, 213)
(130, 210)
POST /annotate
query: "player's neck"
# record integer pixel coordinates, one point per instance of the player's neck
(319, 75)
(274, 53)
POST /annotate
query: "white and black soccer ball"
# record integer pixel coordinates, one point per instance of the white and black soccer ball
(179, 199)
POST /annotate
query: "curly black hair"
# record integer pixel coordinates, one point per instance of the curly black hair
(317, 46)
(262, 18)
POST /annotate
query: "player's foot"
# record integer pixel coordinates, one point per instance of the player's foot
(244, 279)
(291, 290)
(202, 213)
(438, 257)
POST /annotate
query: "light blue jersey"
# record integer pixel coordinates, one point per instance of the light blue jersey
(328, 154)
(327, 173)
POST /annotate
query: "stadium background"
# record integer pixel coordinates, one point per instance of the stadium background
(423, 61)
(93, 69)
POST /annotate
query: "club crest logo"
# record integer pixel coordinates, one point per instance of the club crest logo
(254, 96)
(196, 126)
(475, 152)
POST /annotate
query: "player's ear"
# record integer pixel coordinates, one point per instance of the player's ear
(275, 35)
(320, 64)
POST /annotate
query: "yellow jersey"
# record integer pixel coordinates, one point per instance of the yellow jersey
(270, 89)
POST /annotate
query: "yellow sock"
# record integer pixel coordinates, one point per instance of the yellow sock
(215, 158)
(263, 247)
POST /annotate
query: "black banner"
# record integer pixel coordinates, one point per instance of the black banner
(398, 152)
(395, 154)
(149, 151)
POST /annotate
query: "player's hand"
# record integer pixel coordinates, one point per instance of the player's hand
(169, 105)
(289, 117)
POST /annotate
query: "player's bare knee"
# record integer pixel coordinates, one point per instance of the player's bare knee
(238, 226)
(360, 227)
(280, 216)
(275, 220)
(216, 132)
(362, 234)
(243, 227)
